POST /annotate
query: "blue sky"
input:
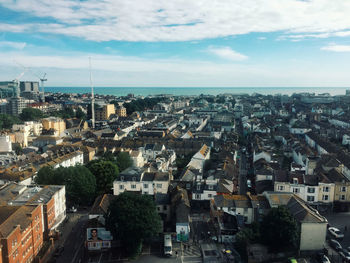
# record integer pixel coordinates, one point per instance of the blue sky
(233, 43)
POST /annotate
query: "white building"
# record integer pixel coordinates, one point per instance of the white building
(5, 143)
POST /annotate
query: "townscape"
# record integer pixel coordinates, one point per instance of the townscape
(164, 178)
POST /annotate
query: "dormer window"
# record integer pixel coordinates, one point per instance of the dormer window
(134, 178)
(122, 178)
(295, 180)
(198, 187)
(210, 187)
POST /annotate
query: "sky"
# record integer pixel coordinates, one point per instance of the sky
(177, 43)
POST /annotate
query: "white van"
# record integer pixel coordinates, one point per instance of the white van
(168, 247)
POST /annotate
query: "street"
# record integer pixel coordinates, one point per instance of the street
(73, 237)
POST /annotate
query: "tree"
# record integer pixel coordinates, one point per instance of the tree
(109, 156)
(6, 121)
(31, 114)
(79, 181)
(124, 161)
(279, 229)
(105, 173)
(80, 114)
(132, 218)
(18, 149)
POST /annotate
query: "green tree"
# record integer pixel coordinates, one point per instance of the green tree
(132, 218)
(6, 121)
(124, 161)
(31, 114)
(109, 156)
(80, 184)
(105, 173)
(79, 181)
(279, 229)
(80, 114)
(18, 149)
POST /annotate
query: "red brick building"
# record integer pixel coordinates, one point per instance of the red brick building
(21, 232)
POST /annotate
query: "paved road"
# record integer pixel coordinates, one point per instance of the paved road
(242, 181)
(73, 238)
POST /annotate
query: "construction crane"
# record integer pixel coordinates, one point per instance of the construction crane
(42, 79)
(16, 83)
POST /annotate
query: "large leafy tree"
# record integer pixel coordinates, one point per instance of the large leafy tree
(132, 218)
(124, 161)
(79, 181)
(279, 229)
(31, 114)
(105, 173)
(6, 121)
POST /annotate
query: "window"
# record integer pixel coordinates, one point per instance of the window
(122, 178)
(198, 187)
(210, 195)
(342, 197)
(210, 187)
(311, 190)
(134, 179)
(159, 185)
(325, 189)
(280, 188)
(325, 197)
(121, 187)
(198, 197)
(295, 180)
(310, 198)
(343, 189)
(145, 185)
(296, 190)
(133, 186)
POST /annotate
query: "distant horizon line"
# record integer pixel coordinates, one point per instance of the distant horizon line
(200, 87)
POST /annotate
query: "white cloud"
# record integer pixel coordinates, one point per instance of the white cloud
(180, 20)
(337, 48)
(68, 69)
(227, 53)
(14, 45)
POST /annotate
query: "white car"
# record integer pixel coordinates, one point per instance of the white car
(335, 232)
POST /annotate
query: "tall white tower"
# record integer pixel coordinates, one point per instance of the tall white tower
(92, 98)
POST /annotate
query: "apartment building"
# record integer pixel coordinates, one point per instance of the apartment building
(51, 197)
(21, 232)
(56, 124)
(105, 112)
(121, 111)
(135, 179)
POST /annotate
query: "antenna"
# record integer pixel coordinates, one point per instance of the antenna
(92, 98)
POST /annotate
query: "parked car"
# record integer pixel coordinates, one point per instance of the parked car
(345, 254)
(335, 244)
(335, 232)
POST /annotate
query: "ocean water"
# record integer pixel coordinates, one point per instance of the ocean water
(144, 91)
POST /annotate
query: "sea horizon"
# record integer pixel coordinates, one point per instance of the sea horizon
(193, 91)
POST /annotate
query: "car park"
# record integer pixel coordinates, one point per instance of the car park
(335, 244)
(335, 232)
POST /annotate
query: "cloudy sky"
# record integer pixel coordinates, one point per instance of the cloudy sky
(228, 43)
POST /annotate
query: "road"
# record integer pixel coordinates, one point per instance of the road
(73, 237)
